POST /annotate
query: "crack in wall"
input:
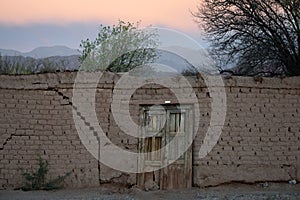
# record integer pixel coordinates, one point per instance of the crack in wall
(109, 124)
(67, 104)
(290, 170)
(88, 124)
(6, 140)
(91, 128)
(79, 114)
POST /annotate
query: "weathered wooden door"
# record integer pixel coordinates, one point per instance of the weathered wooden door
(170, 127)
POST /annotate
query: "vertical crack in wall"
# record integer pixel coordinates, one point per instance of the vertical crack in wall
(108, 127)
(88, 124)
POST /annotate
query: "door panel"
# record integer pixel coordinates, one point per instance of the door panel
(178, 173)
(171, 127)
(152, 133)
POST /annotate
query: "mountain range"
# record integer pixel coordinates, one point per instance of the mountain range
(61, 58)
(183, 60)
(42, 52)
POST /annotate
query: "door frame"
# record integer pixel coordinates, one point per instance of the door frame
(188, 160)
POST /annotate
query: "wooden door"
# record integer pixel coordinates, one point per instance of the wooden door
(160, 128)
(153, 134)
(178, 173)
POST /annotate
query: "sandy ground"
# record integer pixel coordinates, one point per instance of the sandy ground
(108, 192)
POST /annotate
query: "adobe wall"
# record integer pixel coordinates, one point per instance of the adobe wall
(260, 140)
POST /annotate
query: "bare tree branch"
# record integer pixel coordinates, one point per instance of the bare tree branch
(252, 33)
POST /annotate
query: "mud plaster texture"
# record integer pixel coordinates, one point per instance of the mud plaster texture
(260, 139)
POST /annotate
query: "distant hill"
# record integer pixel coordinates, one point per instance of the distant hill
(29, 65)
(198, 58)
(174, 61)
(10, 52)
(61, 58)
(42, 52)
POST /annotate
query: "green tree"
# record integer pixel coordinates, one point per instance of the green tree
(254, 33)
(118, 48)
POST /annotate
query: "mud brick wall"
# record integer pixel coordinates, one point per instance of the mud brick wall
(260, 140)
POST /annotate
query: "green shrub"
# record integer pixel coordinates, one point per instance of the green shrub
(37, 180)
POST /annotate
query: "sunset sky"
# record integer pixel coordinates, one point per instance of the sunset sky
(26, 24)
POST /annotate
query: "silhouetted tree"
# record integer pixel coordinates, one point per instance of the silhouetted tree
(254, 33)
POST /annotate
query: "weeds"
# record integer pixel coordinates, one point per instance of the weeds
(37, 180)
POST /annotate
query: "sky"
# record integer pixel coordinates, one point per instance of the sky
(27, 24)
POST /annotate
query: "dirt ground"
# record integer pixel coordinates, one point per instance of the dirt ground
(109, 192)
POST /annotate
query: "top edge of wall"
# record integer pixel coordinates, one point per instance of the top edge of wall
(108, 79)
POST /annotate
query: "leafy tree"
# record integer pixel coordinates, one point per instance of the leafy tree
(254, 33)
(118, 48)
